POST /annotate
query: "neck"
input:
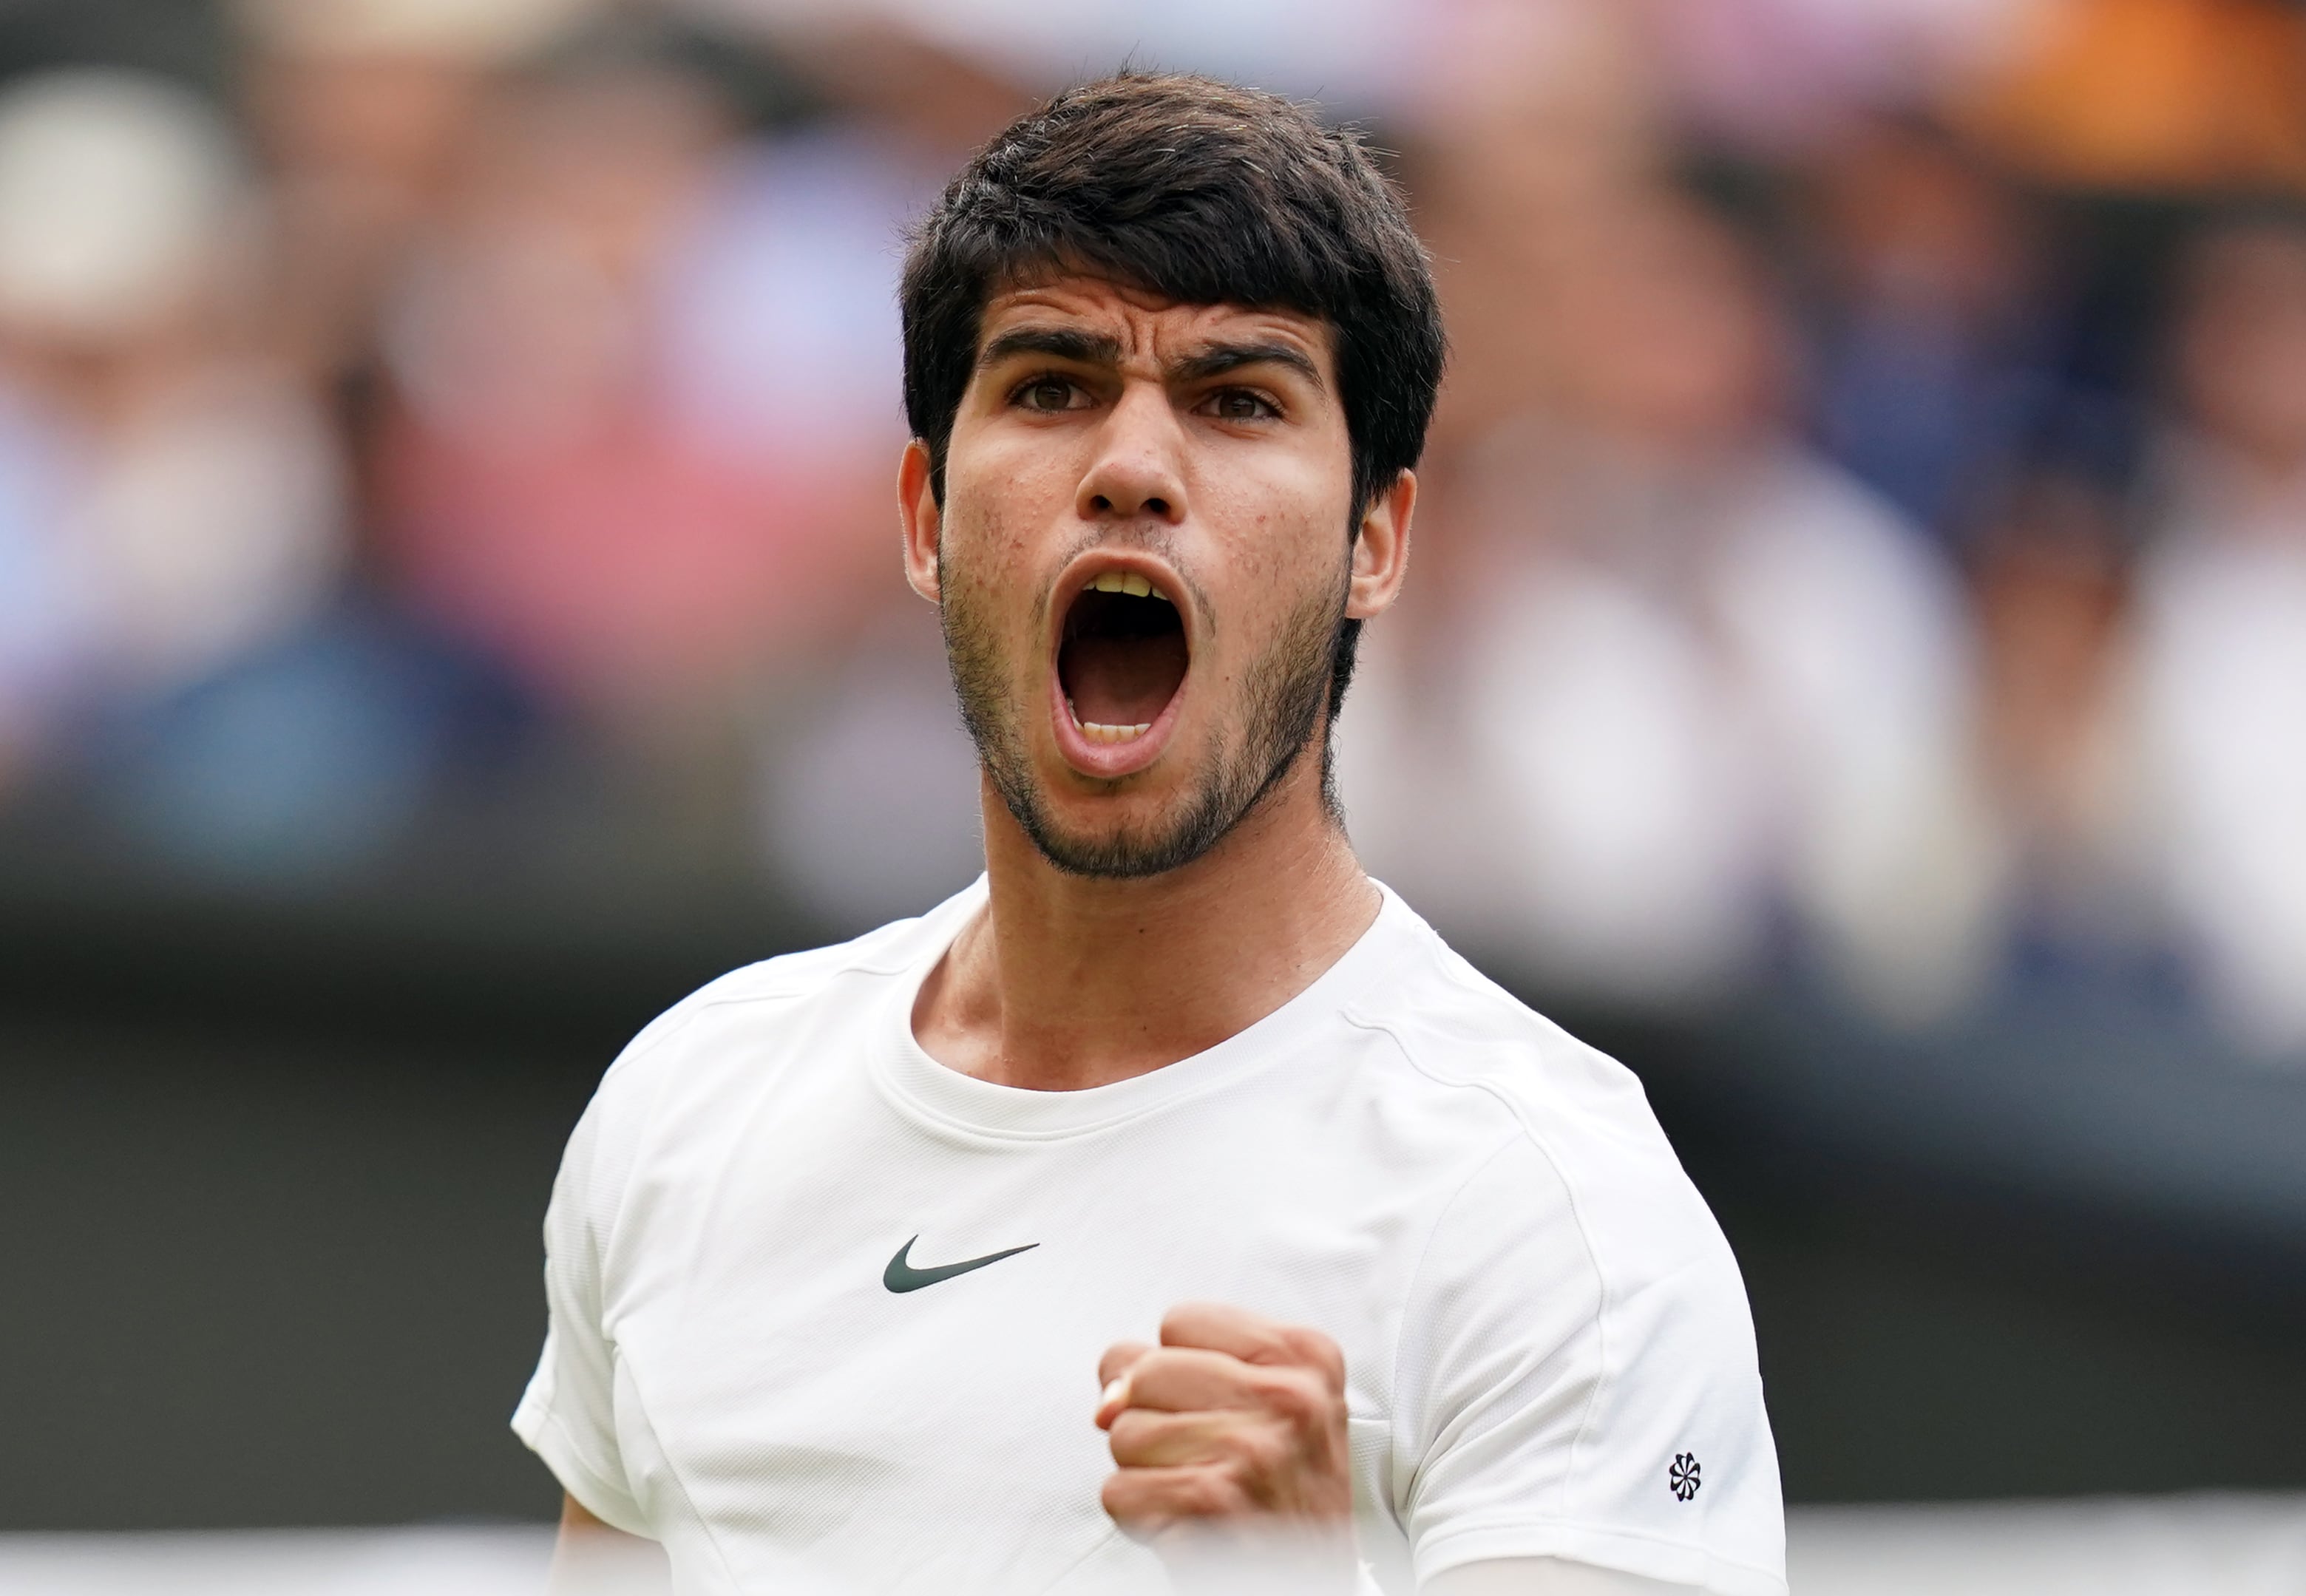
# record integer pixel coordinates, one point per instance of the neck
(1066, 982)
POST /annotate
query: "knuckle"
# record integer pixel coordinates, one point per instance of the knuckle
(1123, 1440)
(1296, 1396)
(1123, 1496)
(1317, 1351)
(1154, 1376)
(1180, 1323)
(1210, 1494)
(1133, 1436)
(1258, 1455)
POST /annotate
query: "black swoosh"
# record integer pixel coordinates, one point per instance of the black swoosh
(900, 1275)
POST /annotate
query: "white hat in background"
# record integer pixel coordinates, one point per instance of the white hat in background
(478, 32)
(117, 194)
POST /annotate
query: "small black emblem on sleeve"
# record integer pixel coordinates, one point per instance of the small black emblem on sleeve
(1683, 1476)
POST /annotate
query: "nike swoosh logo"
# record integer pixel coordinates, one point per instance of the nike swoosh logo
(900, 1275)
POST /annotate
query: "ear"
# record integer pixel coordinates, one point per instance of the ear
(1381, 551)
(922, 524)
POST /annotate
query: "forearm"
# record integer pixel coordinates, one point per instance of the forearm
(594, 1558)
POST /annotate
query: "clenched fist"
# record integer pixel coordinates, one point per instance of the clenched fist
(1234, 1422)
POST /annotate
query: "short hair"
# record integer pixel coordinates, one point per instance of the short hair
(1203, 193)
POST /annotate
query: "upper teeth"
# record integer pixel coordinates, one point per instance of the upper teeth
(1129, 583)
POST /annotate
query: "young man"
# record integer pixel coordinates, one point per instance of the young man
(1175, 1187)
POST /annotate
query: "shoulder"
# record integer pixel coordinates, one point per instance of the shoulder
(787, 984)
(733, 1037)
(1561, 1129)
(1459, 1032)
(1574, 1328)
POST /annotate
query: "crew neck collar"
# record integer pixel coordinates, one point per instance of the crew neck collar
(921, 1085)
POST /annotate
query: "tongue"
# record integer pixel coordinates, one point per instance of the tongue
(1121, 681)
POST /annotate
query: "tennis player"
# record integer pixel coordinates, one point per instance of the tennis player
(1174, 1189)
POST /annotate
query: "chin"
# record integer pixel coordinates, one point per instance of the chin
(1119, 836)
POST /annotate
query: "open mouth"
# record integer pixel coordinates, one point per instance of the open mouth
(1121, 657)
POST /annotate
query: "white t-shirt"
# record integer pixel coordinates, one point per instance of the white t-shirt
(1547, 1343)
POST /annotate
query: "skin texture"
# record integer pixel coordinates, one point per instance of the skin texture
(1233, 1420)
(1231, 492)
(1148, 902)
(592, 1558)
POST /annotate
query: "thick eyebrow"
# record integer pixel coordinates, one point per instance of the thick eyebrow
(1101, 349)
(1215, 360)
(1055, 343)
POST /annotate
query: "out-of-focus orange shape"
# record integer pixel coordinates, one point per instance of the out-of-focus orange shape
(2151, 94)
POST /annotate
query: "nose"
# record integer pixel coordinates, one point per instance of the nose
(1139, 466)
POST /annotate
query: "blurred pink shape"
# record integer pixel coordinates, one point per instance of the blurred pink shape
(625, 563)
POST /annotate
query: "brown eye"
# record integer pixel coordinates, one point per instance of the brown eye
(1046, 393)
(1239, 404)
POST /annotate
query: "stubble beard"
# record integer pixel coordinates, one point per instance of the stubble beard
(1280, 710)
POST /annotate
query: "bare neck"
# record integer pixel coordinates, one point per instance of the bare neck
(1065, 982)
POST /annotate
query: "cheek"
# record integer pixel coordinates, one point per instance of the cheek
(1000, 505)
(981, 569)
(992, 560)
(979, 532)
(1281, 580)
(1023, 468)
(1286, 533)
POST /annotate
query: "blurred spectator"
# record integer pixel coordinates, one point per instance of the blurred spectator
(1539, 114)
(2221, 629)
(1532, 111)
(1783, 79)
(1704, 675)
(869, 800)
(1935, 342)
(2051, 575)
(175, 496)
(646, 370)
(362, 109)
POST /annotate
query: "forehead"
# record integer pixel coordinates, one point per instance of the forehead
(1145, 324)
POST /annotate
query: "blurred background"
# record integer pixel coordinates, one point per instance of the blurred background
(1854, 671)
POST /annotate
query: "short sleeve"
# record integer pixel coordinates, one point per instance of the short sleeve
(567, 1415)
(1576, 1379)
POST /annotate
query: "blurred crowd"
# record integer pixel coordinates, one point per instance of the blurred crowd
(1863, 542)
